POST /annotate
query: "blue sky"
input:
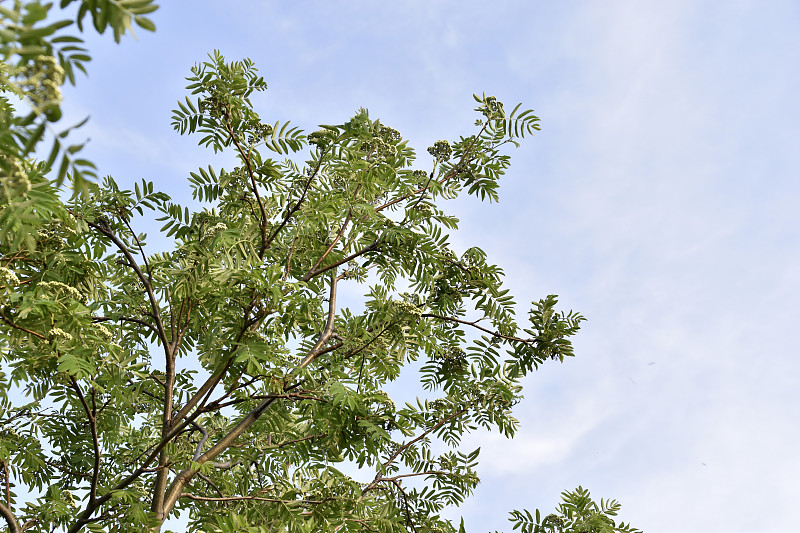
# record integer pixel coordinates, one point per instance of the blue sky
(660, 200)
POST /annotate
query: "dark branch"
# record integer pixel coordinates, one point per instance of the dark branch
(474, 324)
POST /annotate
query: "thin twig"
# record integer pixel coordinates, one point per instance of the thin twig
(300, 201)
(91, 415)
(474, 324)
(246, 158)
(373, 246)
(336, 240)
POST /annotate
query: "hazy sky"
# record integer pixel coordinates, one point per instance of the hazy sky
(661, 200)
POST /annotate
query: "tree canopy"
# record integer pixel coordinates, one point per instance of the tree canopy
(228, 376)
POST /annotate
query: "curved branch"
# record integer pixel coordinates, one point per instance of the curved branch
(139, 321)
(326, 334)
(409, 521)
(185, 476)
(198, 451)
(11, 520)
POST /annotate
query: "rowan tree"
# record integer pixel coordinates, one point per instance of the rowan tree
(225, 376)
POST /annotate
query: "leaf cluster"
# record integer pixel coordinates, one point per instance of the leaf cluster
(577, 513)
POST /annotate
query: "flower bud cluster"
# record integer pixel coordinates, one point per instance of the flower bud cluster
(14, 178)
(452, 360)
(420, 176)
(439, 405)
(389, 134)
(379, 148)
(493, 109)
(215, 105)
(424, 210)
(406, 311)
(320, 138)
(52, 235)
(42, 81)
(441, 150)
(213, 231)
(259, 131)
(69, 498)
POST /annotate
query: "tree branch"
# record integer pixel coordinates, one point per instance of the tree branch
(90, 414)
(86, 516)
(300, 201)
(246, 159)
(106, 230)
(141, 249)
(186, 475)
(326, 334)
(289, 259)
(379, 477)
(15, 326)
(208, 386)
(250, 498)
(474, 324)
(453, 172)
(7, 480)
(139, 321)
(409, 521)
(371, 247)
(338, 237)
(218, 404)
(11, 520)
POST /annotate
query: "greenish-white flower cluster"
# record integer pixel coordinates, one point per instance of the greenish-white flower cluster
(56, 288)
(215, 104)
(102, 332)
(214, 230)
(379, 148)
(321, 138)
(390, 134)
(420, 176)
(405, 308)
(69, 498)
(8, 277)
(259, 131)
(60, 334)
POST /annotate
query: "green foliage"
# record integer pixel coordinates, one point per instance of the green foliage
(224, 377)
(577, 513)
(36, 58)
